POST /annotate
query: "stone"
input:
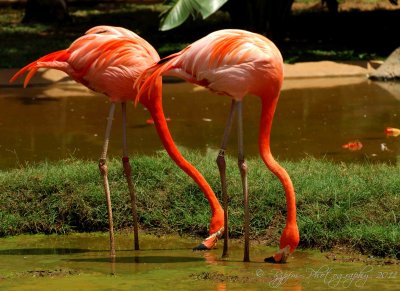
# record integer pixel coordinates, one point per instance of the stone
(389, 70)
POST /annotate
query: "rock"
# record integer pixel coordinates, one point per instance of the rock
(389, 70)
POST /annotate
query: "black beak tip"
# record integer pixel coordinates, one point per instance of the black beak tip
(270, 260)
(200, 247)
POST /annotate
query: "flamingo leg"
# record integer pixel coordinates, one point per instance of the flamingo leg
(104, 171)
(222, 172)
(243, 174)
(128, 175)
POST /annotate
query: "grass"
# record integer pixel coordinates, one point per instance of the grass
(356, 206)
(310, 35)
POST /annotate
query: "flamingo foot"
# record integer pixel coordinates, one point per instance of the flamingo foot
(210, 242)
(280, 257)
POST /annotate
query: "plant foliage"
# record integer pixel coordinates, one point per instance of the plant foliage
(179, 11)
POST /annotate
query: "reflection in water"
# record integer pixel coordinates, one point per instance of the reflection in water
(177, 268)
(212, 259)
(34, 126)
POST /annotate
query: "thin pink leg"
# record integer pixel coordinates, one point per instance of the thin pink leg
(243, 174)
(222, 172)
(104, 171)
(128, 176)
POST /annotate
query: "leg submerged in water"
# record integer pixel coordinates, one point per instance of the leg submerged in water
(243, 174)
(128, 176)
(222, 173)
(104, 171)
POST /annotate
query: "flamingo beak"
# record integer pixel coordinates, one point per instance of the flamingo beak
(280, 257)
(210, 242)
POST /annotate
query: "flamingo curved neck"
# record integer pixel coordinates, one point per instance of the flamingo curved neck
(267, 114)
(156, 111)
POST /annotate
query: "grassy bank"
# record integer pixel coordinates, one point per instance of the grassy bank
(356, 206)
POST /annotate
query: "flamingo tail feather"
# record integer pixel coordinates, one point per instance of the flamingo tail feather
(43, 62)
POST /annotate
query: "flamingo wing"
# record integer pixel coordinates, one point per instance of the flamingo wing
(106, 59)
(229, 62)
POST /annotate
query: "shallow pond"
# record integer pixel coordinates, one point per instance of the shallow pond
(315, 117)
(80, 261)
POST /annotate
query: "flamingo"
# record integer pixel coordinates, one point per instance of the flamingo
(234, 63)
(109, 60)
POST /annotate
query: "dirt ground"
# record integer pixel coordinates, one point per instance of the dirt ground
(297, 75)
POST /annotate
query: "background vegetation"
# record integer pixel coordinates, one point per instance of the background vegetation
(362, 29)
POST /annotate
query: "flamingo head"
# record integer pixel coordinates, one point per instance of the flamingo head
(289, 241)
(210, 242)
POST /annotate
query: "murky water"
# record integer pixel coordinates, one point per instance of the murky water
(315, 117)
(81, 262)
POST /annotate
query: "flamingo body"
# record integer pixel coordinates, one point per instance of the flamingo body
(110, 60)
(235, 63)
(228, 62)
(106, 59)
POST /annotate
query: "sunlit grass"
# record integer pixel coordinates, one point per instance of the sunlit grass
(357, 206)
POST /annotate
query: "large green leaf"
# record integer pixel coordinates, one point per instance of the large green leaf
(180, 10)
(208, 7)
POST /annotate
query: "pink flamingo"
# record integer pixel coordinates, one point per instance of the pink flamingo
(109, 60)
(234, 63)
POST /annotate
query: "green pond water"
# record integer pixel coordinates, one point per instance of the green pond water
(81, 262)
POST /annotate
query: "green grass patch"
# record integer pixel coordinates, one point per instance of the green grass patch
(357, 206)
